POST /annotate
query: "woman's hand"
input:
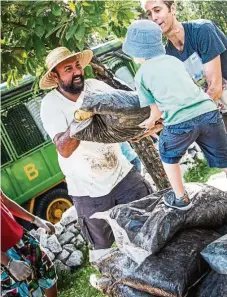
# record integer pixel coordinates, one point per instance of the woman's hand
(45, 225)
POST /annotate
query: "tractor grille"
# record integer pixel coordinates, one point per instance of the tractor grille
(22, 129)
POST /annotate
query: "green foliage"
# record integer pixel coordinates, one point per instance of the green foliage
(30, 29)
(215, 11)
(200, 173)
(77, 284)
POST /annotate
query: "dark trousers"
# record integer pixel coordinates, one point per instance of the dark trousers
(98, 232)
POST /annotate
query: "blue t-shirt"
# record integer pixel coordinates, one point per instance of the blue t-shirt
(203, 42)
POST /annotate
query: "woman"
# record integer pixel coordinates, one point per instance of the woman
(25, 269)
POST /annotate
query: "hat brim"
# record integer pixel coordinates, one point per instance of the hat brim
(47, 82)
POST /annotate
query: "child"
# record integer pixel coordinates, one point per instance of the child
(189, 114)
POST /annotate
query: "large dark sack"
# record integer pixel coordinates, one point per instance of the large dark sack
(216, 255)
(212, 285)
(222, 230)
(143, 227)
(112, 288)
(170, 273)
(110, 117)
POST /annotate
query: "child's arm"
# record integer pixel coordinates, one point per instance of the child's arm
(155, 115)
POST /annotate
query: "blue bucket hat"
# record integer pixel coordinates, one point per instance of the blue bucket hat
(143, 40)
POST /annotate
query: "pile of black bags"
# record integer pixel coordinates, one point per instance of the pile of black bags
(167, 252)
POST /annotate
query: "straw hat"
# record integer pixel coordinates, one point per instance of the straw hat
(58, 55)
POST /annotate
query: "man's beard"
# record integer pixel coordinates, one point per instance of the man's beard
(73, 88)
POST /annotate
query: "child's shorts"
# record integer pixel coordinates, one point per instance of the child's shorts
(207, 130)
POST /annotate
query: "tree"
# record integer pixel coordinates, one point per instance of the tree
(30, 29)
(216, 11)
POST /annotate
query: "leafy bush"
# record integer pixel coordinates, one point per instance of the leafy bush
(200, 173)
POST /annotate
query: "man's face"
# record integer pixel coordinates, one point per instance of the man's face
(70, 76)
(158, 12)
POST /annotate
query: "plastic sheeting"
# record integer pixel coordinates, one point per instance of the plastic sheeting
(143, 227)
(213, 285)
(222, 230)
(110, 117)
(113, 289)
(216, 255)
(169, 273)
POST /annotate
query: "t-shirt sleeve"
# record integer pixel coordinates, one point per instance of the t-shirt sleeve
(145, 95)
(53, 119)
(209, 43)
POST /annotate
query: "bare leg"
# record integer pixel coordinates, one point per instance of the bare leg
(52, 292)
(174, 174)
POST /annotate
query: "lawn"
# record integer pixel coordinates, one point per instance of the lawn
(77, 284)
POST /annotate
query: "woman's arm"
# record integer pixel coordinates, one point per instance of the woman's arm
(16, 209)
(4, 258)
(20, 212)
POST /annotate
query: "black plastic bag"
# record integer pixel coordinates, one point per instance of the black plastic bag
(111, 117)
(222, 230)
(120, 290)
(143, 227)
(112, 288)
(170, 273)
(216, 255)
(212, 285)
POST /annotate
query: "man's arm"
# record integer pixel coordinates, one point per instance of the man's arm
(65, 144)
(210, 46)
(213, 75)
(57, 127)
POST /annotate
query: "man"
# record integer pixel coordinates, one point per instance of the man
(26, 270)
(98, 175)
(200, 44)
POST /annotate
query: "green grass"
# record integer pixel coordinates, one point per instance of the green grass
(200, 173)
(77, 284)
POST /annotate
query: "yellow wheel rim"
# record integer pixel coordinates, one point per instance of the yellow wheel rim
(56, 208)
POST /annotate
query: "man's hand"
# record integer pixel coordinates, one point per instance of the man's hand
(19, 269)
(45, 225)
